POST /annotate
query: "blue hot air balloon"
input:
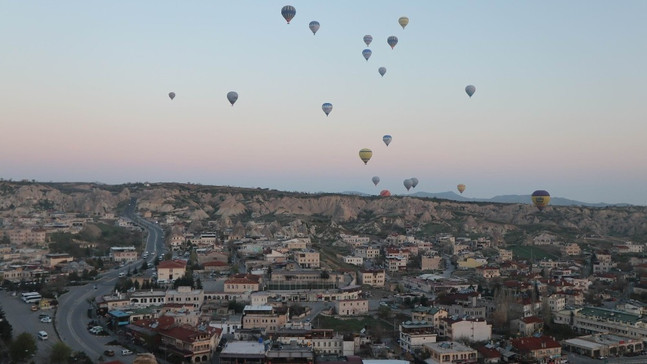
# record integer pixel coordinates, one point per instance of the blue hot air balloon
(392, 41)
(288, 12)
(327, 108)
(232, 96)
(368, 39)
(470, 90)
(367, 53)
(387, 139)
(314, 26)
(382, 71)
(375, 180)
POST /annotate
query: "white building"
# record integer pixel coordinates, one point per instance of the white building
(349, 259)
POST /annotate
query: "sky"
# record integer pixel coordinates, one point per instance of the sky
(559, 105)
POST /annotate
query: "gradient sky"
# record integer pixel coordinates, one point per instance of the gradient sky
(560, 102)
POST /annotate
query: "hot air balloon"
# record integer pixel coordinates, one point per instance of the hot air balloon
(461, 188)
(470, 89)
(387, 139)
(540, 199)
(327, 108)
(368, 39)
(392, 41)
(407, 184)
(314, 26)
(232, 96)
(367, 53)
(403, 21)
(382, 71)
(171, 95)
(414, 182)
(375, 180)
(385, 193)
(365, 155)
(288, 12)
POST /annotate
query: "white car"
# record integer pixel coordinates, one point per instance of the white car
(46, 320)
(125, 352)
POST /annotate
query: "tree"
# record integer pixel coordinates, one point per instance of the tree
(144, 266)
(6, 329)
(60, 353)
(23, 347)
(384, 312)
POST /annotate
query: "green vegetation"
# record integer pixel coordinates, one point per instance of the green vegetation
(351, 325)
(23, 347)
(103, 235)
(60, 353)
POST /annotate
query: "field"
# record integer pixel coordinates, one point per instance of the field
(352, 325)
(534, 252)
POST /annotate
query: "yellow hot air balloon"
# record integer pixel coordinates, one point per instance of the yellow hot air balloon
(461, 188)
(365, 155)
(540, 199)
(403, 21)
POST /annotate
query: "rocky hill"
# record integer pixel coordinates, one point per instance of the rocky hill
(325, 213)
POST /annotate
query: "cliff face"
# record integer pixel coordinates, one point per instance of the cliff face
(229, 205)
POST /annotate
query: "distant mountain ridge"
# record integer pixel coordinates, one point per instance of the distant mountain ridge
(522, 199)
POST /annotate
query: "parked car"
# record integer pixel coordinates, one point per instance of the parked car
(46, 320)
(125, 352)
(109, 352)
(34, 308)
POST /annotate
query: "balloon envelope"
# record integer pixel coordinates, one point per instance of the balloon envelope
(375, 180)
(365, 155)
(382, 71)
(232, 96)
(461, 188)
(540, 199)
(403, 21)
(414, 182)
(368, 39)
(314, 26)
(392, 41)
(171, 95)
(470, 90)
(327, 108)
(288, 12)
(407, 183)
(387, 139)
(385, 193)
(367, 53)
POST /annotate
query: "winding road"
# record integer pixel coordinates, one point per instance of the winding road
(72, 314)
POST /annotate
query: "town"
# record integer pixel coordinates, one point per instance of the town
(261, 291)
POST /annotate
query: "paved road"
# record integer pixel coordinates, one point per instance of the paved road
(72, 318)
(22, 319)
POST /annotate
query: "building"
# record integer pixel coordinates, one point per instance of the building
(396, 264)
(528, 326)
(467, 329)
(243, 352)
(349, 259)
(307, 259)
(373, 278)
(432, 315)
(265, 318)
(191, 344)
(488, 271)
(354, 239)
(542, 349)
(603, 345)
(504, 255)
(597, 320)
(431, 262)
(52, 260)
(123, 253)
(26, 236)
(367, 252)
(186, 296)
(351, 307)
(241, 285)
(471, 263)
(170, 270)
(414, 334)
(556, 302)
(450, 352)
(571, 249)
